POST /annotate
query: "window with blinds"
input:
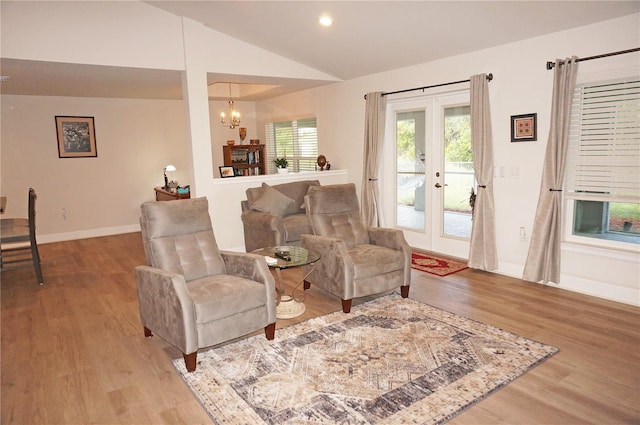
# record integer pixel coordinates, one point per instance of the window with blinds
(604, 142)
(296, 140)
(602, 176)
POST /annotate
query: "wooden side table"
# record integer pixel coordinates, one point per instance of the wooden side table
(166, 195)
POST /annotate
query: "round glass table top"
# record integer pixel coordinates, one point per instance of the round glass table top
(284, 257)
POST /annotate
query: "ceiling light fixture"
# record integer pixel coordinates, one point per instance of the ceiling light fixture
(234, 116)
(325, 20)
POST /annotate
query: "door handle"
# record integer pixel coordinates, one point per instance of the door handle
(438, 185)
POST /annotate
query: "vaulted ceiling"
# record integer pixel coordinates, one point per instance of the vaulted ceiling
(373, 36)
(366, 37)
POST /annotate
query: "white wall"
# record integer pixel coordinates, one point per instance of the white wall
(521, 85)
(135, 140)
(209, 51)
(133, 33)
(225, 195)
(221, 133)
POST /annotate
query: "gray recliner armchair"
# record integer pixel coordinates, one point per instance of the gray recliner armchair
(191, 294)
(355, 261)
(274, 215)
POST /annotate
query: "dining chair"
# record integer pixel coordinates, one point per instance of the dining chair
(18, 246)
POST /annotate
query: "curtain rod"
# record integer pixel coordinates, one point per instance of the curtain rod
(489, 78)
(551, 65)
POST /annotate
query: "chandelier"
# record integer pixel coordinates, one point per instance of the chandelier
(234, 116)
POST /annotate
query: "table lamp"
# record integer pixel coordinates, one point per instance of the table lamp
(166, 180)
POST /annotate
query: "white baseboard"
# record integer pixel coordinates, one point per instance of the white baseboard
(600, 289)
(89, 233)
(104, 231)
(582, 285)
(571, 283)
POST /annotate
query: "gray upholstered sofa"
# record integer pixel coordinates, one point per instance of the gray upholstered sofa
(275, 215)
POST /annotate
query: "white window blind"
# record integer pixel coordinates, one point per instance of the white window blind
(296, 140)
(603, 161)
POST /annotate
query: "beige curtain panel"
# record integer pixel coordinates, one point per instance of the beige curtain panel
(543, 260)
(373, 137)
(482, 253)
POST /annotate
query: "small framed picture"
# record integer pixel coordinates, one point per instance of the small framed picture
(524, 128)
(226, 171)
(76, 137)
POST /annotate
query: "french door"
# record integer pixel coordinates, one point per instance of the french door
(427, 187)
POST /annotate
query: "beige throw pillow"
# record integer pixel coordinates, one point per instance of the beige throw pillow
(273, 202)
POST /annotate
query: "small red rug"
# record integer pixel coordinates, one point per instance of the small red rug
(435, 265)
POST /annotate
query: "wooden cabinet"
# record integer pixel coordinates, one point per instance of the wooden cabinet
(246, 160)
(166, 195)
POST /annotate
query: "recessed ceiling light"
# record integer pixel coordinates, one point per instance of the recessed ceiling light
(325, 20)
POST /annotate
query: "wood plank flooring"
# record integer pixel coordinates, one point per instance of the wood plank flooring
(73, 351)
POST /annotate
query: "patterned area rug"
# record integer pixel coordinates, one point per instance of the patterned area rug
(390, 361)
(435, 265)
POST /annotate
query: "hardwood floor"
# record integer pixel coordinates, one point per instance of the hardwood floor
(73, 350)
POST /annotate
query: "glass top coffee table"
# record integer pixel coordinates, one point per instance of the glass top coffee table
(287, 257)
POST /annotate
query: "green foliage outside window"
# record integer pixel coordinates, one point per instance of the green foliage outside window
(457, 136)
(405, 139)
(284, 138)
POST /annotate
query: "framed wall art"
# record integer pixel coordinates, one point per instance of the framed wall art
(226, 172)
(76, 137)
(524, 128)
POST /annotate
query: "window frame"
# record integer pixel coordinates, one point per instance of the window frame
(297, 161)
(570, 237)
(571, 195)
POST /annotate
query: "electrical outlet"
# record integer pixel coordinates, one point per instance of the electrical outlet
(65, 214)
(523, 234)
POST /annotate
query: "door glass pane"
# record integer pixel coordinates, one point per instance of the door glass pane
(458, 172)
(410, 169)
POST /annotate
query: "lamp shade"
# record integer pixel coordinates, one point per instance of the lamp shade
(169, 168)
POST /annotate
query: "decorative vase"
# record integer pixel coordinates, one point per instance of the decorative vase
(282, 170)
(321, 161)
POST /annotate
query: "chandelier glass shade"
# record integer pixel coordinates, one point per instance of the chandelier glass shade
(234, 116)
